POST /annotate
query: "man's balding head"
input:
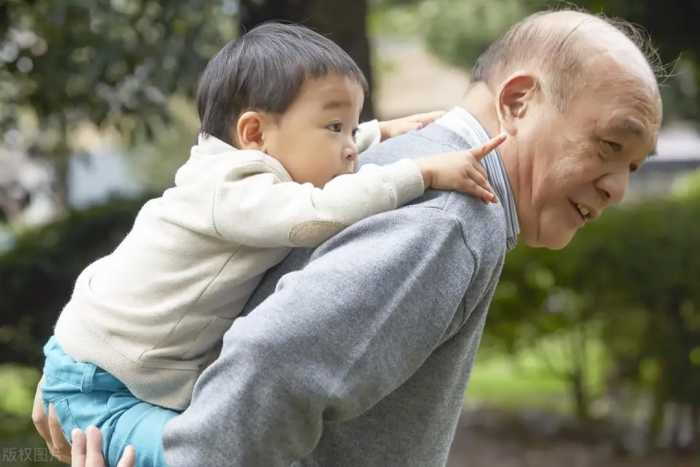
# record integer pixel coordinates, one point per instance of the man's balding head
(560, 45)
(580, 102)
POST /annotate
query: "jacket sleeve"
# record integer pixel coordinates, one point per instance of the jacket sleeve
(368, 134)
(334, 339)
(259, 210)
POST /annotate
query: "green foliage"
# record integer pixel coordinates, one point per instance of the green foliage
(460, 31)
(154, 163)
(629, 279)
(619, 306)
(688, 187)
(39, 272)
(109, 62)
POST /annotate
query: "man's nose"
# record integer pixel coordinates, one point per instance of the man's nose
(612, 186)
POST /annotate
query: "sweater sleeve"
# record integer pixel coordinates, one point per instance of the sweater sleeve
(333, 340)
(259, 210)
(368, 134)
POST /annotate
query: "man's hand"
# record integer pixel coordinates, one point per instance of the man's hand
(87, 450)
(399, 126)
(49, 428)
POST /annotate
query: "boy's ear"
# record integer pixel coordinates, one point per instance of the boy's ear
(516, 95)
(248, 131)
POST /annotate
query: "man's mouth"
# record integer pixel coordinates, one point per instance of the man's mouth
(584, 211)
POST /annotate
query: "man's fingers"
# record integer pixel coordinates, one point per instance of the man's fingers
(128, 457)
(78, 448)
(59, 446)
(480, 152)
(41, 423)
(94, 448)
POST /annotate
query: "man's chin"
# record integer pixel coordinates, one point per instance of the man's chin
(551, 241)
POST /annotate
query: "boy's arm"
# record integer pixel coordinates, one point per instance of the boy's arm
(372, 132)
(252, 207)
(368, 134)
(258, 210)
(334, 339)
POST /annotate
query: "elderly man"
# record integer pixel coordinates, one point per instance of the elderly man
(358, 353)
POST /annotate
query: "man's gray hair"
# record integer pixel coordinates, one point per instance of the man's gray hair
(557, 49)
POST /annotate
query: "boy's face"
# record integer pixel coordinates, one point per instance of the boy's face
(314, 138)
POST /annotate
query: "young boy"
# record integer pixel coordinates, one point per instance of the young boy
(273, 169)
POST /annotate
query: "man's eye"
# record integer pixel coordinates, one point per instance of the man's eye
(335, 127)
(613, 146)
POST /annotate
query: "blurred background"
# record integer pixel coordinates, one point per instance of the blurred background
(591, 355)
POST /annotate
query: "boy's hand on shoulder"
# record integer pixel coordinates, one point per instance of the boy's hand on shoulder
(461, 171)
(390, 128)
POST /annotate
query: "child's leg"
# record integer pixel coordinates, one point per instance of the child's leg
(84, 394)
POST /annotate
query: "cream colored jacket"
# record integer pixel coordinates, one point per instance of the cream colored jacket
(154, 311)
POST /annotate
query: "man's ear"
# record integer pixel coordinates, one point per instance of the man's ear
(248, 132)
(516, 95)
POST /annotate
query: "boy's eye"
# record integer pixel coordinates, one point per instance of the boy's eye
(354, 133)
(335, 127)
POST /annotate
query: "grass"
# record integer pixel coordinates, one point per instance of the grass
(526, 380)
(515, 383)
(20, 446)
(17, 385)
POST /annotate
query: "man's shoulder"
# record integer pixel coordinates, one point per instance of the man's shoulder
(483, 226)
(430, 140)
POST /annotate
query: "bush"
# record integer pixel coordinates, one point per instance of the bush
(629, 279)
(38, 274)
(460, 31)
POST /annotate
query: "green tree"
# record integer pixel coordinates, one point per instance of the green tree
(673, 29)
(107, 62)
(343, 22)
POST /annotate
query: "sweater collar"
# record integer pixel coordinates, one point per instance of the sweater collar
(464, 124)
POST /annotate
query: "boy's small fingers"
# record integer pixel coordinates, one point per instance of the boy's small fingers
(478, 178)
(492, 144)
(487, 196)
(479, 169)
(428, 117)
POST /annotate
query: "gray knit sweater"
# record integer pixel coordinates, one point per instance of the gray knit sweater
(357, 353)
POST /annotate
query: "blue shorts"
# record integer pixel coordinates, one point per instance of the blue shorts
(84, 394)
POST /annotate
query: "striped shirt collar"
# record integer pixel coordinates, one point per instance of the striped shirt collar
(464, 124)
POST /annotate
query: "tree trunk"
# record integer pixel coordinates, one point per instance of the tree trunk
(582, 400)
(579, 372)
(342, 22)
(658, 412)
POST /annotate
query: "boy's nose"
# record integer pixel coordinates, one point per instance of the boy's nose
(350, 153)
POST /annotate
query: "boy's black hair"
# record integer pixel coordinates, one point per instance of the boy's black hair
(264, 70)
